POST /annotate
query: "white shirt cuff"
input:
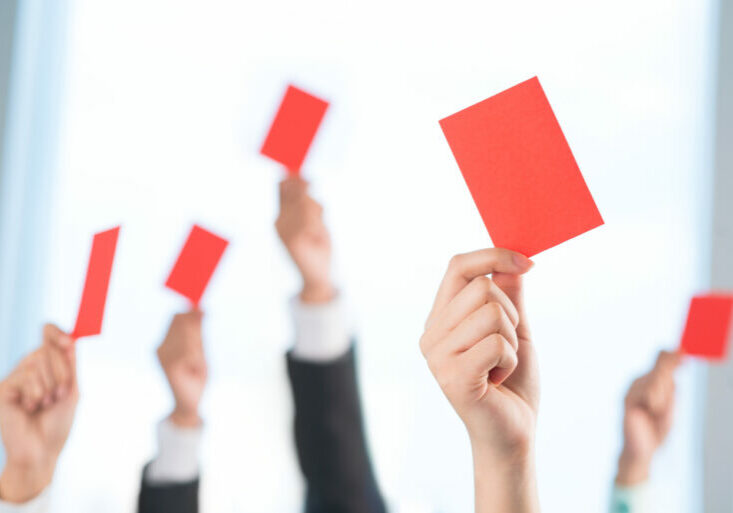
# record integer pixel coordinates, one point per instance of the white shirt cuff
(630, 499)
(178, 455)
(38, 505)
(321, 330)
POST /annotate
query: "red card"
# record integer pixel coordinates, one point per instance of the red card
(293, 129)
(94, 296)
(520, 170)
(196, 264)
(707, 330)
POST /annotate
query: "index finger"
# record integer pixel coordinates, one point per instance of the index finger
(54, 336)
(667, 361)
(464, 268)
(291, 188)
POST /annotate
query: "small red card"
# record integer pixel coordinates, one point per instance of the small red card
(196, 264)
(93, 298)
(293, 129)
(520, 170)
(707, 331)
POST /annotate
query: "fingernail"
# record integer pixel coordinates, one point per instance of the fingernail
(47, 400)
(522, 261)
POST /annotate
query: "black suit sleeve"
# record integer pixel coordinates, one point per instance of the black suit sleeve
(329, 436)
(168, 498)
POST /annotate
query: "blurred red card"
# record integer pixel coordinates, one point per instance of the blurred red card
(196, 264)
(293, 129)
(94, 296)
(707, 331)
(520, 170)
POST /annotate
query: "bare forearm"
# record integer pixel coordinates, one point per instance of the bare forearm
(503, 486)
(20, 484)
(632, 470)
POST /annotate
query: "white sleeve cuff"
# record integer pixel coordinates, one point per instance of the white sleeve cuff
(38, 505)
(322, 331)
(178, 455)
(630, 499)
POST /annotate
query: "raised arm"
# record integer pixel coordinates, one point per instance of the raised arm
(478, 347)
(37, 407)
(329, 430)
(171, 480)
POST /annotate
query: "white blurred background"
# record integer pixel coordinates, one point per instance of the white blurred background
(157, 110)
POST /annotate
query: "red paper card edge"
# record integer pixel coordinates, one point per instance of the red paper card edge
(601, 221)
(195, 304)
(116, 230)
(729, 330)
(289, 170)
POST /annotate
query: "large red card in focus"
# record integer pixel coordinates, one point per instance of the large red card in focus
(520, 170)
(196, 264)
(707, 330)
(94, 297)
(293, 129)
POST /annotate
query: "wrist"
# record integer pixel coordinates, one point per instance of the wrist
(184, 418)
(505, 482)
(23, 483)
(317, 292)
(632, 469)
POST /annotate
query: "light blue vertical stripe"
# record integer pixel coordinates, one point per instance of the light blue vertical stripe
(28, 167)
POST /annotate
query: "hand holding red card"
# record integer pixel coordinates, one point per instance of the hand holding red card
(293, 129)
(520, 170)
(93, 298)
(196, 264)
(708, 328)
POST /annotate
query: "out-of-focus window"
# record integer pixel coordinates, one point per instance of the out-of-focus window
(166, 103)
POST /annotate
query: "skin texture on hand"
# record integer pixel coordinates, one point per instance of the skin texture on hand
(182, 358)
(37, 406)
(302, 231)
(648, 416)
(478, 347)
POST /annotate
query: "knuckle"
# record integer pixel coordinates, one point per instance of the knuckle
(494, 310)
(424, 344)
(455, 262)
(483, 283)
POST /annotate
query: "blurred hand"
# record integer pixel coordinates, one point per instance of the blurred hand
(649, 410)
(37, 405)
(477, 345)
(182, 357)
(301, 229)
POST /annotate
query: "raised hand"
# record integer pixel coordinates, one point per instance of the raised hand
(478, 347)
(182, 357)
(37, 406)
(648, 415)
(302, 231)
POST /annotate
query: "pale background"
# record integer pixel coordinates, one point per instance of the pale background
(161, 110)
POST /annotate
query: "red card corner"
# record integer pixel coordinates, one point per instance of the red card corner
(293, 128)
(196, 263)
(708, 328)
(520, 170)
(94, 296)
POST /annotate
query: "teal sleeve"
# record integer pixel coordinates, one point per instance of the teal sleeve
(629, 499)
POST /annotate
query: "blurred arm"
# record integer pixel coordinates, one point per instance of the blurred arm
(329, 431)
(171, 480)
(38, 505)
(630, 499)
(321, 330)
